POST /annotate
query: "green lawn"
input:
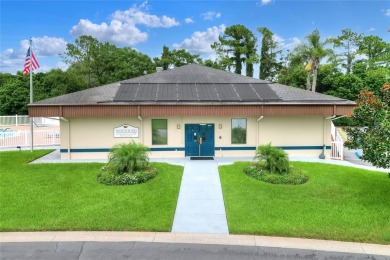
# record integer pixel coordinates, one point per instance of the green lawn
(337, 203)
(68, 197)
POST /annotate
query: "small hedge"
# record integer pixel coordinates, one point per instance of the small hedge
(293, 177)
(127, 164)
(106, 176)
(273, 166)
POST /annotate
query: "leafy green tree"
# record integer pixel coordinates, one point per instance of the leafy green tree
(176, 58)
(326, 77)
(346, 86)
(377, 51)
(294, 76)
(372, 113)
(292, 72)
(312, 52)
(269, 66)
(373, 78)
(251, 57)
(103, 63)
(212, 64)
(82, 57)
(126, 63)
(349, 41)
(14, 94)
(55, 83)
(182, 57)
(237, 47)
(165, 60)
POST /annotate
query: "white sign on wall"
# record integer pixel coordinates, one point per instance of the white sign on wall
(126, 131)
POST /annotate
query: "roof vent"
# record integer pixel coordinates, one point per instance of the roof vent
(159, 69)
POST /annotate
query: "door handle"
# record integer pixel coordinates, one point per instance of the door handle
(200, 140)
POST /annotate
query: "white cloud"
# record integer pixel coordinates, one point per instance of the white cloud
(289, 45)
(122, 28)
(278, 39)
(210, 15)
(188, 20)
(62, 65)
(12, 60)
(371, 29)
(135, 15)
(46, 46)
(116, 32)
(200, 42)
(265, 2)
(293, 42)
(387, 12)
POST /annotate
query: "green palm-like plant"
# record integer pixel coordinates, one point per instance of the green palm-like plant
(311, 52)
(272, 158)
(128, 158)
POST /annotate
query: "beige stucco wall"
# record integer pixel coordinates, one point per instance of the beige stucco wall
(97, 133)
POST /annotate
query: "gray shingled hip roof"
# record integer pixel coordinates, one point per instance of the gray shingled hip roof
(194, 84)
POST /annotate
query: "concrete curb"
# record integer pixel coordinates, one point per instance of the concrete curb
(212, 239)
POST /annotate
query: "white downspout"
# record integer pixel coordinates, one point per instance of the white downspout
(141, 130)
(257, 132)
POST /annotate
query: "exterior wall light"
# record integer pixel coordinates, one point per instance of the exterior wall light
(220, 126)
(178, 126)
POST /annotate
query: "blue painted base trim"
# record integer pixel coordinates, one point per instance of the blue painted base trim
(87, 150)
(236, 148)
(181, 149)
(319, 147)
(166, 149)
(105, 150)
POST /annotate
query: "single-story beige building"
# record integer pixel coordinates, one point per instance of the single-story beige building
(193, 111)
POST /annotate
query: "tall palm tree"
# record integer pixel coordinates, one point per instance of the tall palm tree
(312, 52)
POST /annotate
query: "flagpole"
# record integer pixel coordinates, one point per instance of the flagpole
(31, 99)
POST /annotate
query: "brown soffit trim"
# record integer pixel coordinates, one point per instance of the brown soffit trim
(205, 110)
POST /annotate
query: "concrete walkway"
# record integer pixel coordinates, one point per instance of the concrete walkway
(55, 157)
(200, 207)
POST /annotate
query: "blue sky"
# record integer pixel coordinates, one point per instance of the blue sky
(192, 25)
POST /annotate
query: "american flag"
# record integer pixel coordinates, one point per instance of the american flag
(35, 64)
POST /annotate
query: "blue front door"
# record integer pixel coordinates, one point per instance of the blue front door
(199, 139)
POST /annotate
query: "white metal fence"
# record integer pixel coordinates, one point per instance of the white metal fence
(337, 144)
(18, 120)
(10, 139)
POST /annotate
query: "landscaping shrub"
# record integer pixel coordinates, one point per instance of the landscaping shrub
(293, 177)
(128, 164)
(107, 177)
(272, 158)
(273, 166)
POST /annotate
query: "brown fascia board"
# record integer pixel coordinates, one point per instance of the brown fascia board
(276, 109)
(202, 103)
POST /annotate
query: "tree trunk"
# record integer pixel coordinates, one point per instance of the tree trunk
(308, 85)
(315, 72)
(249, 69)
